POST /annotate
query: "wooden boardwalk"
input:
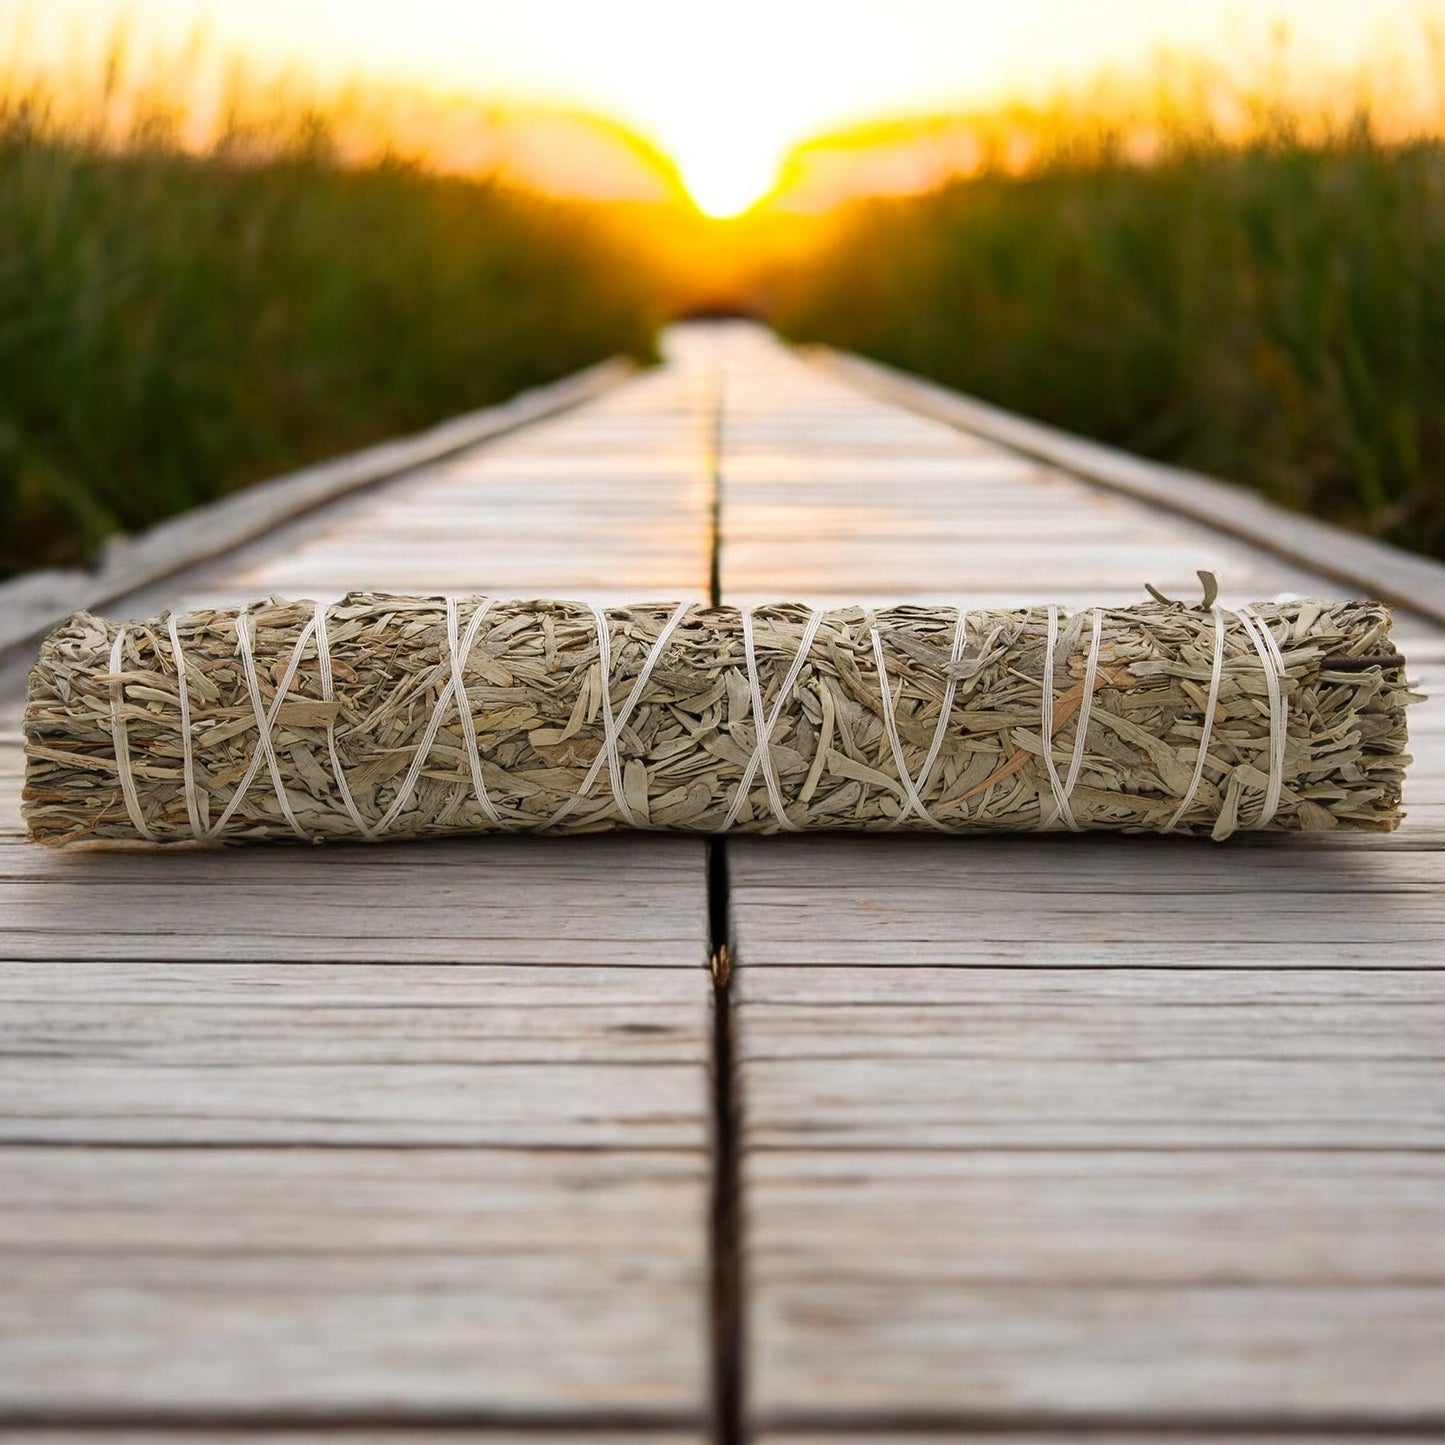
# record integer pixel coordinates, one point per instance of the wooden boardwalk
(988, 1139)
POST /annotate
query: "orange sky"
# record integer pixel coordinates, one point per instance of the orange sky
(727, 87)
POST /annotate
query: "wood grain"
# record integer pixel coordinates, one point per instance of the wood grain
(1061, 902)
(1142, 1138)
(628, 901)
(1382, 571)
(1224, 1354)
(343, 1280)
(1087, 1217)
(1134, 1135)
(586, 1057)
(376, 1134)
(1327, 1435)
(448, 1434)
(831, 495)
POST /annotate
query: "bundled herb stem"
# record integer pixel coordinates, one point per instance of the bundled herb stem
(387, 717)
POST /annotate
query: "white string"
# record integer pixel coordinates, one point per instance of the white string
(950, 691)
(328, 694)
(1064, 809)
(188, 762)
(914, 801)
(1281, 740)
(265, 721)
(1086, 706)
(439, 710)
(1046, 692)
(120, 739)
(266, 718)
(612, 728)
(1216, 677)
(609, 723)
(763, 727)
(464, 710)
(1272, 661)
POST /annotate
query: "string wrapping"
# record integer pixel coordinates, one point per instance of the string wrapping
(383, 717)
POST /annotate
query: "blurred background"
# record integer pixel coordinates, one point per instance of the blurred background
(239, 235)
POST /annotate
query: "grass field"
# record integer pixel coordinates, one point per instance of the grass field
(174, 325)
(1272, 311)
(1265, 302)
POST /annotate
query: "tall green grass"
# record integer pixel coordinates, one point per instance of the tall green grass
(1270, 310)
(1234, 287)
(174, 324)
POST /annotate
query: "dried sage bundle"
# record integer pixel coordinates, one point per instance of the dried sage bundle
(385, 717)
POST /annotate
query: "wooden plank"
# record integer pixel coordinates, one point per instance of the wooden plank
(1382, 571)
(576, 1065)
(307, 1013)
(1130, 1134)
(1088, 1217)
(1067, 1436)
(1064, 1058)
(627, 900)
(831, 496)
(582, 1057)
(1083, 901)
(446, 1434)
(404, 1134)
(1221, 1354)
(300, 1281)
(100, 1201)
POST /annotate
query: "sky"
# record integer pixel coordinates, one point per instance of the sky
(727, 87)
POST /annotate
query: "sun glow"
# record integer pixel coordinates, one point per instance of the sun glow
(725, 174)
(726, 88)
(723, 184)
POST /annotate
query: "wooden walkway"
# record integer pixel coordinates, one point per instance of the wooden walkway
(1008, 1139)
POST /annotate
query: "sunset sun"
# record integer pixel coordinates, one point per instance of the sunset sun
(726, 172)
(726, 90)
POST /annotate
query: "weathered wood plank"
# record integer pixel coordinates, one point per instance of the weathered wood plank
(1242, 1235)
(1083, 901)
(848, 1349)
(449, 1434)
(309, 1013)
(999, 1431)
(1386, 572)
(833, 496)
(1066, 1436)
(629, 901)
(1098, 1130)
(285, 1054)
(353, 1281)
(1117, 1015)
(952, 1218)
(1065, 1060)
(403, 1134)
